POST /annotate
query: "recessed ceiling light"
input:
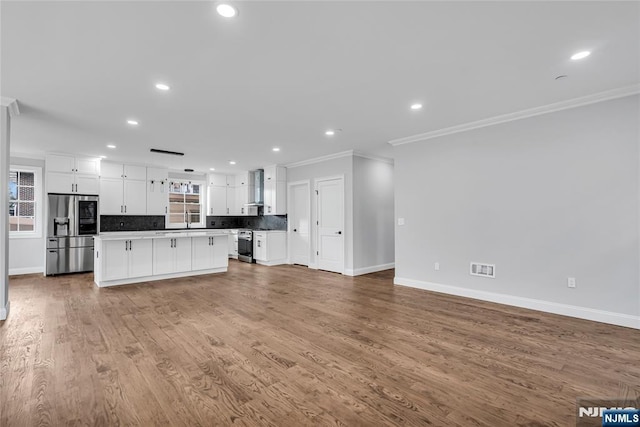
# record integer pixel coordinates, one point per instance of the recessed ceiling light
(132, 122)
(103, 157)
(212, 169)
(231, 162)
(580, 55)
(276, 149)
(330, 132)
(416, 106)
(111, 146)
(226, 10)
(162, 86)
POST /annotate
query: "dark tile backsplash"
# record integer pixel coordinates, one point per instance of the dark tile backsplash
(151, 222)
(268, 222)
(131, 222)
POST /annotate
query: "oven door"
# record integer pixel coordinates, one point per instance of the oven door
(245, 248)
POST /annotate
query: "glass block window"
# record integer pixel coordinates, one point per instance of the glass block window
(22, 201)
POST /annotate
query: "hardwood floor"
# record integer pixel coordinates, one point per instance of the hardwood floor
(289, 346)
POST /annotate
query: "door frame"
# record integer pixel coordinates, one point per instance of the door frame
(315, 224)
(306, 182)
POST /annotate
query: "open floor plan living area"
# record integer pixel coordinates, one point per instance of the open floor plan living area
(310, 213)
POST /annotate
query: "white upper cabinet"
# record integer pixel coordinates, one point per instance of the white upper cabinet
(221, 194)
(72, 175)
(123, 189)
(157, 191)
(275, 190)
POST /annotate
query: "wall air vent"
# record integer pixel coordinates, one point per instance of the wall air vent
(173, 153)
(484, 270)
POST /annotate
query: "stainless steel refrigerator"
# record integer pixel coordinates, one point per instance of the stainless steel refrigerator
(73, 221)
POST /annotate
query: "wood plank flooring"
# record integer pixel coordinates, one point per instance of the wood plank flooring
(289, 346)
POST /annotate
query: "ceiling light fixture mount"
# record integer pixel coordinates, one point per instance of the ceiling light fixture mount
(580, 55)
(112, 146)
(132, 122)
(226, 10)
(416, 106)
(231, 162)
(330, 132)
(162, 86)
(276, 149)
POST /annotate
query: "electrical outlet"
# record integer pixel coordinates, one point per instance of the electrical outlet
(400, 221)
(571, 282)
(436, 266)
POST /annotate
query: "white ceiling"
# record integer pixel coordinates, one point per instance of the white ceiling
(281, 73)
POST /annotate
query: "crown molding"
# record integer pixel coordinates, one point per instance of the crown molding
(518, 115)
(320, 159)
(11, 104)
(376, 158)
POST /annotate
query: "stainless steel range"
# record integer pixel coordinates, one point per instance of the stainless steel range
(245, 245)
(72, 223)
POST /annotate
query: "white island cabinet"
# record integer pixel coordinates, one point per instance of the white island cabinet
(171, 255)
(209, 252)
(122, 258)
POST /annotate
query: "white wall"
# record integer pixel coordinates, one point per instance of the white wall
(544, 198)
(373, 208)
(328, 168)
(5, 133)
(26, 255)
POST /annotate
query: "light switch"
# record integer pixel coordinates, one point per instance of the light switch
(400, 221)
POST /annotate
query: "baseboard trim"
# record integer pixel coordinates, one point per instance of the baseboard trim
(107, 283)
(26, 270)
(272, 262)
(586, 313)
(370, 269)
(4, 311)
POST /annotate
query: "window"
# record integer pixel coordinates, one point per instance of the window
(24, 198)
(185, 204)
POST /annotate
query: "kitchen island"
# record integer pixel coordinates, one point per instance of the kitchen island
(131, 257)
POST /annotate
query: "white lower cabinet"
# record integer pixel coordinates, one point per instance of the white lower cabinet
(209, 252)
(270, 247)
(124, 259)
(171, 255)
(148, 256)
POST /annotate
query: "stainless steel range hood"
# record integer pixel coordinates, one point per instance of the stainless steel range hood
(257, 178)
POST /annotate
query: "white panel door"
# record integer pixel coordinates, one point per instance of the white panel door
(183, 253)
(217, 201)
(157, 197)
(135, 172)
(88, 166)
(111, 195)
(163, 256)
(111, 170)
(201, 250)
(114, 259)
(220, 251)
(331, 224)
(140, 258)
(299, 220)
(87, 184)
(59, 163)
(58, 182)
(135, 197)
